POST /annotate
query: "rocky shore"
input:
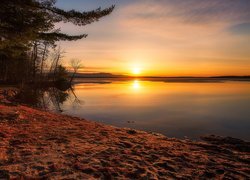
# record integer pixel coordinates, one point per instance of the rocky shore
(38, 144)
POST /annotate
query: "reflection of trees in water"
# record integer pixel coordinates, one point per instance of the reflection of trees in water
(57, 98)
(76, 103)
(50, 98)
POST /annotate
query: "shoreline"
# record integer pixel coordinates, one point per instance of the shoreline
(108, 80)
(39, 144)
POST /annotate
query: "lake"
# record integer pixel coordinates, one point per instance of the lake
(175, 109)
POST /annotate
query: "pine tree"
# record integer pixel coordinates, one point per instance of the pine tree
(25, 25)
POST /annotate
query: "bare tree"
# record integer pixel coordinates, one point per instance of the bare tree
(56, 58)
(76, 65)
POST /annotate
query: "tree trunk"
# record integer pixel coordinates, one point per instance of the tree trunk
(34, 61)
(43, 59)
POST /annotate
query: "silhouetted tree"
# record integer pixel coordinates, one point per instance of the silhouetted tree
(27, 30)
(76, 65)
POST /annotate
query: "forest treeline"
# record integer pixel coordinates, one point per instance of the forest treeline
(28, 38)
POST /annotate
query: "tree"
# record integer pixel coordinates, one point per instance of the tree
(76, 65)
(28, 25)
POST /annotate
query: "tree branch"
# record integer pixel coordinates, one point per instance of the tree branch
(56, 36)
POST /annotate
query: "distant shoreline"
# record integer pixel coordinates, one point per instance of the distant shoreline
(110, 75)
(215, 79)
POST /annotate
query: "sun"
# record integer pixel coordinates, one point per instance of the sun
(136, 70)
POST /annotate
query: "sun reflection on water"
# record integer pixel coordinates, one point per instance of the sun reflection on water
(136, 85)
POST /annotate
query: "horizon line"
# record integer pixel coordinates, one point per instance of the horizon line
(114, 75)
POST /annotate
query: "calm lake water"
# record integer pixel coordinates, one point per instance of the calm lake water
(173, 109)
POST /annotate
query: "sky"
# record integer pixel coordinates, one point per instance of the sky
(163, 37)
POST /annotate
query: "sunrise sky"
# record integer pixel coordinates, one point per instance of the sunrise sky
(163, 37)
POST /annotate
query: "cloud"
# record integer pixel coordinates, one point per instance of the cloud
(183, 22)
(241, 29)
(193, 11)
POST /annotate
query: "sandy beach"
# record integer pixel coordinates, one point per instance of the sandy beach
(39, 144)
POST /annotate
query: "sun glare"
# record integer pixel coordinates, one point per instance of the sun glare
(136, 70)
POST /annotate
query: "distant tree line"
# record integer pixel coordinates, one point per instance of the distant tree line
(28, 37)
